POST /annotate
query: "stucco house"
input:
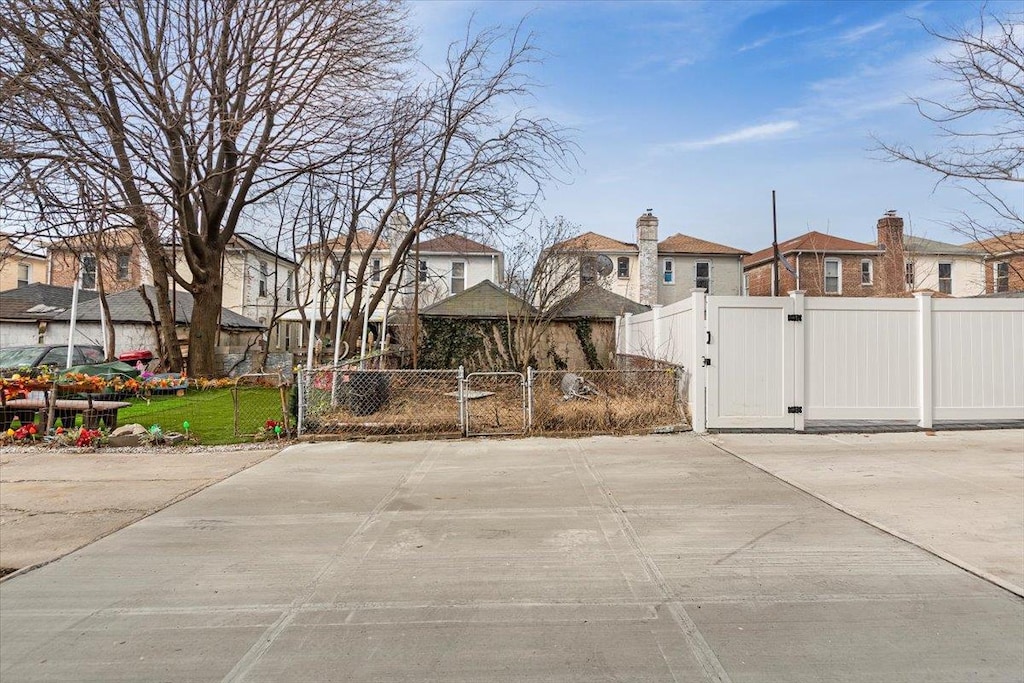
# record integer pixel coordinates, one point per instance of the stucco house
(22, 262)
(648, 271)
(941, 267)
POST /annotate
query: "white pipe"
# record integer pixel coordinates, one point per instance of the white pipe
(384, 328)
(74, 315)
(103, 329)
(341, 317)
(312, 321)
(366, 329)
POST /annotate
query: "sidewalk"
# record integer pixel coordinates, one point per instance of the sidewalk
(960, 495)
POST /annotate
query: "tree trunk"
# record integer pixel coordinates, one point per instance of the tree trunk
(202, 334)
(147, 225)
(106, 323)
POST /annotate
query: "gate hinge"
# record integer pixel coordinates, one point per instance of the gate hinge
(795, 318)
(796, 410)
(705, 361)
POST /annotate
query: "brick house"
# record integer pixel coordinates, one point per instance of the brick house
(649, 271)
(1003, 256)
(115, 252)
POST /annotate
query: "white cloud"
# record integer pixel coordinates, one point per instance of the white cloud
(764, 131)
(855, 34)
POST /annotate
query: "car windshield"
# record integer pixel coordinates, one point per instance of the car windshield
(19, 356)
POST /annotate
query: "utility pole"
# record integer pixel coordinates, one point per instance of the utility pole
(775, 247)
(416, 280)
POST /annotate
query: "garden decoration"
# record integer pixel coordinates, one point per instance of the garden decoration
(186, 425)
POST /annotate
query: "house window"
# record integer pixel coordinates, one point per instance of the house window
(946, 278)
(909, 271)
(702, 275)
(288, 298)
(264, 272)
(375, 273)
(668, 274)
(422, 270)
(123, 262)
(1002, 276)
(866, 274)
(458, 283)
(588, 270)
(88, 272)
(623, 266)
(24, 273)
(833, 276)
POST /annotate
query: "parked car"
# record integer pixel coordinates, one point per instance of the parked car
(48, 355)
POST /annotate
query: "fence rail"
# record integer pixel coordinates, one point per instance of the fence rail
(343, 400)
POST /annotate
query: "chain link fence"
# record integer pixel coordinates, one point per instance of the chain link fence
(344, 400)
(604, 401)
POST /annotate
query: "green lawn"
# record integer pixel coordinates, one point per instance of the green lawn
(210, 413)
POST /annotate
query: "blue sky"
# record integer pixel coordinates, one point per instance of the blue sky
(698, 110)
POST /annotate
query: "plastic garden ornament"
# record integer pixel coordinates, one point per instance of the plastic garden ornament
(277, 430)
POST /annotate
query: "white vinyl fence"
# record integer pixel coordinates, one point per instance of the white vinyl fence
(775, 362)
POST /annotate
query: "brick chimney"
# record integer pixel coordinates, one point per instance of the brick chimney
(891, 265)
(647, 242)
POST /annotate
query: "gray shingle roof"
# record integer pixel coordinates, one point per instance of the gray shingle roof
(483, 301)
(129, 307)
(595, 302)
(920, 245)
(38, 301)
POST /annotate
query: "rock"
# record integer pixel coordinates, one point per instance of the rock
(134, 429)
(173, 438)
(123, 440)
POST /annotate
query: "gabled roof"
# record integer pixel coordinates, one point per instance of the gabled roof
(485, 301)
(591, 241)
(362, 242)
(814, 242)
(685, 244)
(596, 302)
(129, 307)
(999, 245)
(38, 301)
(920, 245)
(455, 244)
(256, 244)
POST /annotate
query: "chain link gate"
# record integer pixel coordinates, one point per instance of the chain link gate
(494, 404)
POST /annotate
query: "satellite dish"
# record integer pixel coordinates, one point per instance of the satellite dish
(604, 266)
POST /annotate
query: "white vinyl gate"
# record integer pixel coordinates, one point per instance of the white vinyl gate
(749, 362)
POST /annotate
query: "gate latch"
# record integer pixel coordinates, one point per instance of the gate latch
(705, 361)
(795, 318)
(795, 410)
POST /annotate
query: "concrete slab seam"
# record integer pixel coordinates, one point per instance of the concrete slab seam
(713, 669)
(1008, 586)
(258, 649)
(177, 499)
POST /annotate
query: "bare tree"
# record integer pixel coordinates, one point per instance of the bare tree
(981, 126)
(192, 111)
(459, 153)
(543, 272)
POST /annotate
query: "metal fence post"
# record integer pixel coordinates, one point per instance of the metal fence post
(461, 378)
(529, 398)
(299, 418)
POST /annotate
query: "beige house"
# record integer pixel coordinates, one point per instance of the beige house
(21, 263)
(941, 267)
(652, 272)
(258, 284)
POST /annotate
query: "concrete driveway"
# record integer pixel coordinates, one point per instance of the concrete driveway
(640, 559)
(958, 494)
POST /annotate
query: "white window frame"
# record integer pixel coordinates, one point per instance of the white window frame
(838, 277)
(423, 270)
(375, 268)
(871, 272)
(27, 280)
(618, 267)
(127, 255)
(996, 277)
(95, 266)
(452, 278)
(264, 268)
(938, 272)
(696, 277)
(668, 271)
(287, 296)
